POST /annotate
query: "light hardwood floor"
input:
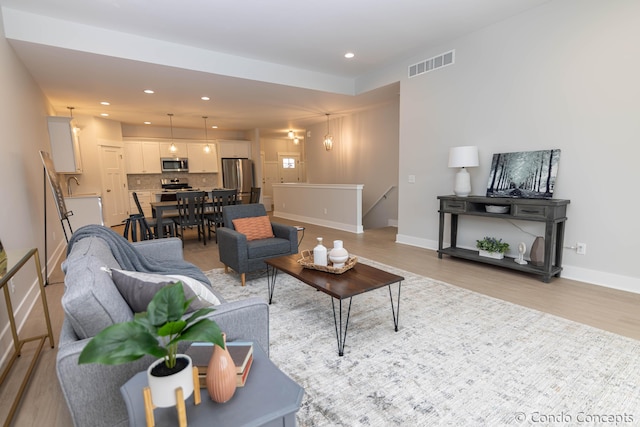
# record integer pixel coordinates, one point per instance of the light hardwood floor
(603, 308)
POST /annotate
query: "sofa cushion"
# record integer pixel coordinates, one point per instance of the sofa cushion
(91, 302)
(138, 289)
(268, 248)
(257, 227)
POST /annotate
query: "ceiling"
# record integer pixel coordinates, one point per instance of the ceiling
(274, 65)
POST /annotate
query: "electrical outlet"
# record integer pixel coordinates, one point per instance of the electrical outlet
(138, 181)
(12, 286)
(325, 211)
(412, 179)
(54, 235)
(581, 248)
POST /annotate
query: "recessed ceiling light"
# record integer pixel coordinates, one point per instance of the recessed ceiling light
(214, 127)
(105, 103)
(104, 115)
(148, 91)
(147, 123)
(205, 98)
(349, 55)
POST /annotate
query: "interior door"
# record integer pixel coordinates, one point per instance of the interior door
(289, 167)
(115, 198)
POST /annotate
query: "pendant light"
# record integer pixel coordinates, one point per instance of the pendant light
(328, 139)
(207, 148)
(291, 135)
(172, 147)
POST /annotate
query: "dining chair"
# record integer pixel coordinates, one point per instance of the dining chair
(213, 217)
(166, 223)
(190, 213)
(255, 195)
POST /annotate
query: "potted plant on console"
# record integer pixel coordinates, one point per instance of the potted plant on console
(157, 332)
(491, 247)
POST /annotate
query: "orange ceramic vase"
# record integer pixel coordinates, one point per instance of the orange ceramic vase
(221, 374)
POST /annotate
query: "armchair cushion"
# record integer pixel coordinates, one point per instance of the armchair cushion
(257, 227)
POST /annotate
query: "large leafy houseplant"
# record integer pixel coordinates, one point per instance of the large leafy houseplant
(156, 332)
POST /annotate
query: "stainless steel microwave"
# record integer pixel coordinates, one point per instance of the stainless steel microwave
(172, 164)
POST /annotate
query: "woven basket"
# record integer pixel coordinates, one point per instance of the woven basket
(307, 262)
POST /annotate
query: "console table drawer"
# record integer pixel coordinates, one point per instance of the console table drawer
(529, 211)
(454, 206)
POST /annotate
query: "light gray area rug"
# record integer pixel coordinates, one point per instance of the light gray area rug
(459, 358)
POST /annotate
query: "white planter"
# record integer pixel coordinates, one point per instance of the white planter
(494, 255)
(163, 389)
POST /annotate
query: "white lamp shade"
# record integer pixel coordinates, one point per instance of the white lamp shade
(463, 157)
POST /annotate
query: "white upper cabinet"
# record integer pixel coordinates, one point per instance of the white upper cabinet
(142, 157)
(181, 150)
(234, 149)
(201, 160)
(65, 145)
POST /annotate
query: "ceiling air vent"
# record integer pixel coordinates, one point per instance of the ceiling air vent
(432, 64)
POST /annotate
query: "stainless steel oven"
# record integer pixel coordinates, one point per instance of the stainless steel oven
(172, 164)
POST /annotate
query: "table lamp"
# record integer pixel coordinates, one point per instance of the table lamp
(463, 157)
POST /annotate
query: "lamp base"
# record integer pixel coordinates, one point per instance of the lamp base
(462, 186)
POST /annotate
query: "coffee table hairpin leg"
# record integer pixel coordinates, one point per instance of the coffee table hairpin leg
(272, 274)
(341, 335)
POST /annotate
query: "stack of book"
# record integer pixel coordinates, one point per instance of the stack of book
(241, 352)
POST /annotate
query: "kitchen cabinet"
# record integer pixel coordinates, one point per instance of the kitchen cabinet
(234, 149)
(181, 149)
(552, 212)
(65, 145)
(201, 161)
(142, 157)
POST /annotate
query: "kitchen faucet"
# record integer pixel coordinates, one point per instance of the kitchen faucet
(69, 192)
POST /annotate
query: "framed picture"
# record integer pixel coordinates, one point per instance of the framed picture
(524, 174)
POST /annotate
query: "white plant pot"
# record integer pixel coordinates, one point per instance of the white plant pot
(163, 389)
(494, 255)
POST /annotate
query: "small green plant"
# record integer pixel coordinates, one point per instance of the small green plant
(491, 244)
(156, 332)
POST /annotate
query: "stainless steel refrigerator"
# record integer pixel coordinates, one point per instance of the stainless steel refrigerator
(238, 174)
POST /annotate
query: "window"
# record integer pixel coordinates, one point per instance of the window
(288, 163)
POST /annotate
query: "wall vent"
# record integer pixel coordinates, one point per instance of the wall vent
(432, 64)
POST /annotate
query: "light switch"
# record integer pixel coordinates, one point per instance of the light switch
(412, 179)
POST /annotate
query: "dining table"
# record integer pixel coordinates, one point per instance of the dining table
(168, 209)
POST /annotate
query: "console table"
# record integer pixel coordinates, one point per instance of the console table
(16, 259)
(550, 211)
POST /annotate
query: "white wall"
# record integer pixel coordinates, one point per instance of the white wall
(23, 133)
(365, 151)
(564, 75)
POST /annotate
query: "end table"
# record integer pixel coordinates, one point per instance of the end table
(269, 397)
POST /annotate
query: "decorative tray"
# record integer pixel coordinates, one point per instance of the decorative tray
(307, 262)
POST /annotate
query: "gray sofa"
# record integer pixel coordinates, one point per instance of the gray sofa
(91, 302)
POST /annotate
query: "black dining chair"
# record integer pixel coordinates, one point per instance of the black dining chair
(255, 195)
(152, 223)
(213, 217)
(190, 213)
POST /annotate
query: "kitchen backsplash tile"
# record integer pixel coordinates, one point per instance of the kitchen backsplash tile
(203, 181)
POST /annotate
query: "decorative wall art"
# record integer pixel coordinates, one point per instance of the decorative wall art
(525, 174)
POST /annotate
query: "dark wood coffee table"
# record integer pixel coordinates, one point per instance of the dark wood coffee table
(358, 280)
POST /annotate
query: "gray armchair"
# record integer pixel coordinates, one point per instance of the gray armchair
(246, 256)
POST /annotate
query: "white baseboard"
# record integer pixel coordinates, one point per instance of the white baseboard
(594, 277)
